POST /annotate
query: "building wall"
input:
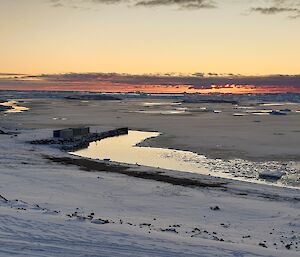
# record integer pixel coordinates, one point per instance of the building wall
(71, 132)
(81, 131)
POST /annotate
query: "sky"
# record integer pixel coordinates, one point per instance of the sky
(137, 37)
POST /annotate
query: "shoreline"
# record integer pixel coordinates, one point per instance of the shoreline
(178, 178)
(218, 168)
(94, 165)
(82, 143)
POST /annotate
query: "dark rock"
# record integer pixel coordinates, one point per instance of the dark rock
(271, 175)
(288, 246)
(2, 132)
(3, 198)
(169, 230)
(263, 245)
(100, 221)
(145, 224)
(248, 236)
(277, 113)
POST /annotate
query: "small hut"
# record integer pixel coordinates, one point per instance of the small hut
(71, 133)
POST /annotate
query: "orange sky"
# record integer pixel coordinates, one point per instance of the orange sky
(255, 38)
(38, 37)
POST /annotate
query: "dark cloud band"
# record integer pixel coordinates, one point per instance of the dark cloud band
(291, 7)
(186, 4)
(264, 7)
(197, 80)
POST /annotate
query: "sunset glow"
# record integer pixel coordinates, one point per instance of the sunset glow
(218, 38)
(39, 36)
(109, 87)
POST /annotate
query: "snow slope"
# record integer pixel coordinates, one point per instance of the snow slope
(49, 209)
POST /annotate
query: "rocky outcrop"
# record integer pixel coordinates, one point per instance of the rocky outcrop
(271, 175)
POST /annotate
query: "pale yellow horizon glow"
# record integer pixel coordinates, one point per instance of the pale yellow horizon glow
(39, 38)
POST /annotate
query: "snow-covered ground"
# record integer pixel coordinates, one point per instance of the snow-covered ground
(51, 209)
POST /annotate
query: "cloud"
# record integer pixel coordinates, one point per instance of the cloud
(181, 4)
(291, 7)
(264, 7)
(11, 74)
(273, 10)
(196, 80)
(185, 4)
(116, 82)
